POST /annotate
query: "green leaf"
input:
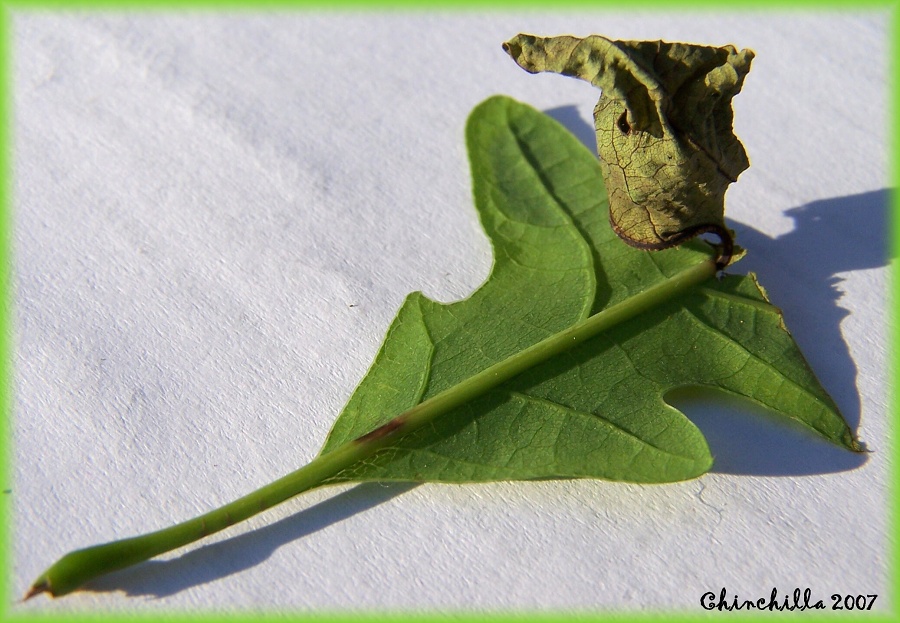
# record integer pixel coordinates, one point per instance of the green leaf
(664, 128)
(557, 367)
(598, 410)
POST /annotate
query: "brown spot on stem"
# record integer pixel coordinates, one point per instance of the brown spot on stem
(382, 431)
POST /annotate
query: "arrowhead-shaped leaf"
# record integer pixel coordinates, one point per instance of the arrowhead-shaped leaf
(598, 410)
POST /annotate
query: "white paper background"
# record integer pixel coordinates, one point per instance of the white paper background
(217, 215)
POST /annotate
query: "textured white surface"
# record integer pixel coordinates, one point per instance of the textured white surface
(215, 218)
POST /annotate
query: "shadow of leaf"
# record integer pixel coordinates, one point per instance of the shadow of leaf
(748, 440)
(801, 271)
(569, 117)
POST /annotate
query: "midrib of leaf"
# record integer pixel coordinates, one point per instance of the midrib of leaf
(500, 171)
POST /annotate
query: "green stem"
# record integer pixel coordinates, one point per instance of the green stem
(80, 566)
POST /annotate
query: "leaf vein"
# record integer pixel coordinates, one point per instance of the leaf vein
(594, 417)
(751, 355)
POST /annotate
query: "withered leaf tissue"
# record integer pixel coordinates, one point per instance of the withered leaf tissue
(664, 128)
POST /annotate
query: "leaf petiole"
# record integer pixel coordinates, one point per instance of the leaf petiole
(80, 566)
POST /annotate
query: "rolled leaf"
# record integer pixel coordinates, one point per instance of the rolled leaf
(664, 128)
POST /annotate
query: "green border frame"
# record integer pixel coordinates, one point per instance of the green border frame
(7, 303)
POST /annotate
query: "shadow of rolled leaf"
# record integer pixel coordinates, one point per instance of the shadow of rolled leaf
(161, 578)
(572, 120)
